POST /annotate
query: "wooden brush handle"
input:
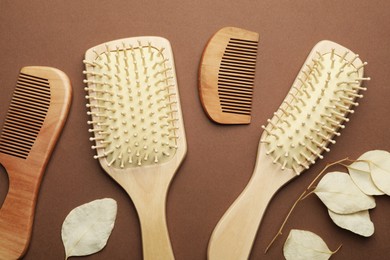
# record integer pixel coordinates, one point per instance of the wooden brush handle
(235, 233)
(148, 191)
(155, 236)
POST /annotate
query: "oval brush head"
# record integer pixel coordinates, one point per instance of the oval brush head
(315, 108)
(132, 95)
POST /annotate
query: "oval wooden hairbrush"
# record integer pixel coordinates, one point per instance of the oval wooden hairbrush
(310, 116)
(138, 127)
(35, 118)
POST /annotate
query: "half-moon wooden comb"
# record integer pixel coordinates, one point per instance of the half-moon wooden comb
(35, 118)
(227, 74)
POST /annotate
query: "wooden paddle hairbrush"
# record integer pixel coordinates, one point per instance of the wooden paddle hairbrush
(35, 118)
(227, 74)
(315, 108)
(138, 127)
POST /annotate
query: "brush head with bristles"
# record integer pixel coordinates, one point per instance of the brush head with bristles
(133, 102)
(315, 108)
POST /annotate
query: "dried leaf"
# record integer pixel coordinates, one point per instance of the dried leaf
(303, 245)
(381, 178)
(87, 228)
(359, 222)
(380, 168)
(339, 194)
(360, 173)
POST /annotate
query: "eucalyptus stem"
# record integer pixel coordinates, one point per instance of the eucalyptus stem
(334, 252)
(304, 194)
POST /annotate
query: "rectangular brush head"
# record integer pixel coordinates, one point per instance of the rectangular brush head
(134, 103)
(227, 74)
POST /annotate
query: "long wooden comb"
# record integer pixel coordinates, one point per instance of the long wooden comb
(226, 75)
(36, 115)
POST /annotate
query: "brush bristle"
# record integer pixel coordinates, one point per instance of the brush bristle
(314, 109)
(132, 101)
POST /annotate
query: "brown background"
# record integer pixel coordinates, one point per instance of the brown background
(220, 159)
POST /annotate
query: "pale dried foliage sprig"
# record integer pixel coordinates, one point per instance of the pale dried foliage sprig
(348, 197)
(309, 190)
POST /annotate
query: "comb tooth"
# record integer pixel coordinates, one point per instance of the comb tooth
(236, 76)
(27, 112)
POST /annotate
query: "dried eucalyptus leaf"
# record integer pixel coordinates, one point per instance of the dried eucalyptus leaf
(87, 228)
(303, 245)
(359, 222)
(380, 168)
(360, 173)
(381, 178)
(339, 194)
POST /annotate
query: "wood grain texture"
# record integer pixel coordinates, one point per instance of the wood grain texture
(25, 175)
(234, 234)
(229, 102)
